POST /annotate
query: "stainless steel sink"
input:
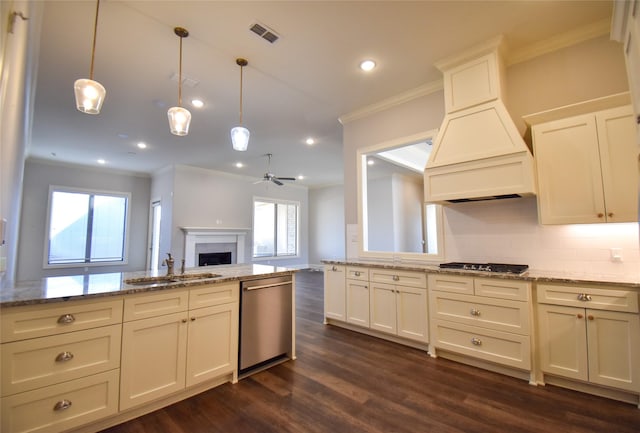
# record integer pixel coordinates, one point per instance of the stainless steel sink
(166, 279)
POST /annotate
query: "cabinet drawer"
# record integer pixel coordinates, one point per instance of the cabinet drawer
(500, 347)
(357, 273)
(154, 304)
(502, 289)
(588, 297)
(215, 294)
(404, 278)
(42, 410)
(44, 361)
(498, 314)
(451, 283)
(32, 321)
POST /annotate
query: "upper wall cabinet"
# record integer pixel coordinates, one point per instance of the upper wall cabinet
(586, 164)
(586, 168)
(626, 29)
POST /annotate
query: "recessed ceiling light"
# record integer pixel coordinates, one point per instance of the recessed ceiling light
(142, 145)
(300, 177)
(198, 103)
(370, 162)
(101, 161)
(239, 164)
(367, 65)
(310, 141)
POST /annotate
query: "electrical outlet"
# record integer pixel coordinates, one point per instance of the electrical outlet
(616, 254)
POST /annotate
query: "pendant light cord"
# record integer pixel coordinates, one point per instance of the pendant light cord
(241, 68)
(180, 77)
(93, 48)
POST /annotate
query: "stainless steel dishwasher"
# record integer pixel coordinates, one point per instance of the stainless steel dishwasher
(265, 322)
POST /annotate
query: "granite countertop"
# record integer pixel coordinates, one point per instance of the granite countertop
(535, 275)
(72, 287)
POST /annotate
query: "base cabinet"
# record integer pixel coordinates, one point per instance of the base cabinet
(335, 296)
(358, 303)
(181, 346)
(590, 345)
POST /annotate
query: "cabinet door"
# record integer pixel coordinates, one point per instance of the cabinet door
(153, 358)
(563, 341)
(568, 168)
(334, 292)
(382, 308)
(614, 349)
(212, 344)
(358, 302)
(412, 313)
(618, 158)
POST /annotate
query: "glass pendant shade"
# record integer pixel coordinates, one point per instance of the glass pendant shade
(89, 95)
(240, 138)
(179, 119)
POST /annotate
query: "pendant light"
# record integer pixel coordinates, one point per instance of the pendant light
(239, 134)
(179, 118)
(90, 94)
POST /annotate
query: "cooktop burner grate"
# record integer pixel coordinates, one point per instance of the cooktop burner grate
(486, 267)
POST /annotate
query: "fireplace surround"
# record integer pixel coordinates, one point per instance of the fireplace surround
(203, 240)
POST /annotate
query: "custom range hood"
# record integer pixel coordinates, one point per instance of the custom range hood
(478, 153)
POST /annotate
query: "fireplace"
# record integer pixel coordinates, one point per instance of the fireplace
(227, 242)
(211, 259)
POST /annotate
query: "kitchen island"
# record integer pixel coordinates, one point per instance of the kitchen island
(81, 353)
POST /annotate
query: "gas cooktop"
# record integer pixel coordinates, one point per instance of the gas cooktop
(486, 267)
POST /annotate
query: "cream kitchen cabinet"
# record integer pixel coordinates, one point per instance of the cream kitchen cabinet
(175, 339)
(587, 167)
(399, 308)
(484, 318)
(335, 292)
(590, 334)
(60, 364)
(357, 296)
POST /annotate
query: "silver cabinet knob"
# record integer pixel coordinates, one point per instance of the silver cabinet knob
(584, 297)
(62, 405)
(357, 273)
(333, 268)
(476, 341)
(474, 312)
(66, 319)
(64, 356)
(396, 278)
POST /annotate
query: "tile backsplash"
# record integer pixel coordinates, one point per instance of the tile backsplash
(507, 231)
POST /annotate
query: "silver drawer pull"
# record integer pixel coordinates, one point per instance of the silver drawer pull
(584, 297)
(396, 278)
(476, 341)
(474, 312)
(64, 356)
(62, 405)
(66, 318)
(357, 273)
(333, 268)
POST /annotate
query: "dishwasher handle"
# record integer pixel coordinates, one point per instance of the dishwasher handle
(265, 286)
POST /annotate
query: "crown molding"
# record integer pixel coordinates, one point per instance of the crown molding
(562, 40)
(385, 104)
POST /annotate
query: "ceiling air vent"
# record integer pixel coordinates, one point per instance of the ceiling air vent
(264, 32)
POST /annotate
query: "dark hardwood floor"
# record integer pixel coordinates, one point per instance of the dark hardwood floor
(343, 381)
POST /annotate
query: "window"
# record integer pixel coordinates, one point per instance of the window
(86, 227)
(275, 228)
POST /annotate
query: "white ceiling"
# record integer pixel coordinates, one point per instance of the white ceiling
(295, 88)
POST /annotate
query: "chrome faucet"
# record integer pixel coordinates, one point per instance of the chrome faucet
(169, 263)
(182, 267)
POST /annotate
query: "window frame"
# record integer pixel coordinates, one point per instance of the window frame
(275, 227)
(125, 247)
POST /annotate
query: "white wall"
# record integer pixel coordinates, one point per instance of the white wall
(326, 223)
(380, 212)
(508, 230)
(207, 198)
(38, 176)
(162, 190)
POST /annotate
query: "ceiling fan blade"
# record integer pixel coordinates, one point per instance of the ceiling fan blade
(286, 178)
(276, 181)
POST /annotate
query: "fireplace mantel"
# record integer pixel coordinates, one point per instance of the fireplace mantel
(212, 235)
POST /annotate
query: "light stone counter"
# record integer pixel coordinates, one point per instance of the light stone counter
(535, 275)
(73, 287)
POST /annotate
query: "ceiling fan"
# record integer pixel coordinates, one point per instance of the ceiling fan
(270, 177)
